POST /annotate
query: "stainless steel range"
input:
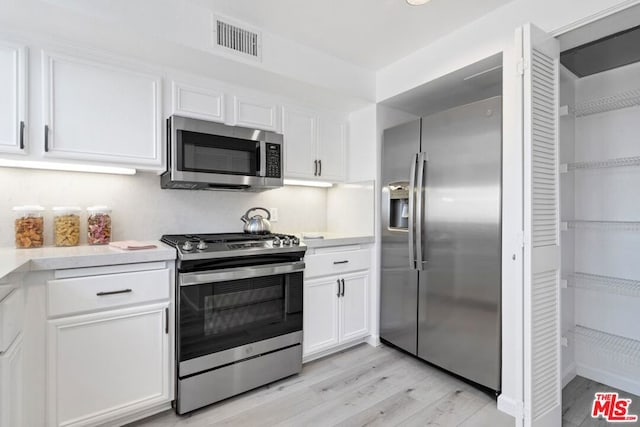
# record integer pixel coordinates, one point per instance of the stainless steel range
(239, 313)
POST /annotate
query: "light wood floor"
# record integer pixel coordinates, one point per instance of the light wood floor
(362, 386)
(577, 401)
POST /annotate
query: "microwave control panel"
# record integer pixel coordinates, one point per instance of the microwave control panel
(274, 167)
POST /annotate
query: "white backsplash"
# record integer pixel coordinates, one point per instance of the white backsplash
(350, 209)
(144, 211)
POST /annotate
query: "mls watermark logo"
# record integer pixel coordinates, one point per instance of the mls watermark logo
(612, 408)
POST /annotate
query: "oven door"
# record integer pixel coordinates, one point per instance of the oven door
(222, 313)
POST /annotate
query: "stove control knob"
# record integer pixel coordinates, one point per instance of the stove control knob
(286, 241)
(187, 246)
(276, 241)
(202, 245)
(295, 241)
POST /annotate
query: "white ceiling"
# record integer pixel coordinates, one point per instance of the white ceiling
(368, 33)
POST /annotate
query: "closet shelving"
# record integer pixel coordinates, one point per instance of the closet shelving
(601, 225)
(601, 164)
(614, 285)
(617, 348)
(626, 99)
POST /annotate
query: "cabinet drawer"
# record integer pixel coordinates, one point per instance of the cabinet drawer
(92, 293)
(337, 262)
(11, 312)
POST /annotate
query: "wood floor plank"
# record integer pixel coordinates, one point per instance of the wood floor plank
(489, 415)
(368, 394)
(450, 410)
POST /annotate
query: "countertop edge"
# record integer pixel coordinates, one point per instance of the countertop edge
(52, 258)
(338, 241)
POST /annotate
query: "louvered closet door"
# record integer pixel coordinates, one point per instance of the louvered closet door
(542, 390)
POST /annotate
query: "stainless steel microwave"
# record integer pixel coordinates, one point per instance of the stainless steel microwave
(208, 155)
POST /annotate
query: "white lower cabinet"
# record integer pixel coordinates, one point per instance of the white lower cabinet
(105, 365)
(11, 385)
(336, 312)
(109, 351)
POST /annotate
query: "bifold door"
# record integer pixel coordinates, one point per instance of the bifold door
(540, 88)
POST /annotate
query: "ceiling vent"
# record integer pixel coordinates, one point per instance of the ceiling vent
(234, 38)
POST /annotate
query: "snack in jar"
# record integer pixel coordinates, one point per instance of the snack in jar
(98, 225)
(66, 226)
(29, 226)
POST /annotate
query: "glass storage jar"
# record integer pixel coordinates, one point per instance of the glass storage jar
(98, 225)
(29, 226)
(66, 226)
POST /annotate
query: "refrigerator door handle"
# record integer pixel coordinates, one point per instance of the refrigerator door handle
(420, 211)
(412, 213)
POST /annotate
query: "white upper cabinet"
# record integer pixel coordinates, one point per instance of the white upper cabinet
(315, 145)
(12, 97)
(198, 102)
(102, 112)
(255, 112)
(300, 130)
(332, 149)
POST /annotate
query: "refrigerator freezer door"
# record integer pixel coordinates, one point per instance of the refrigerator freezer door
(459, 289)
(399, 282)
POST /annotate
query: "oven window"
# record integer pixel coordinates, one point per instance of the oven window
(219, 316)
(199, 152)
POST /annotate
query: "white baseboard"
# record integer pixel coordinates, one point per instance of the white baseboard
(373, 340)
(343, 346)
(568, 374)
(511, 406)
(625, 383)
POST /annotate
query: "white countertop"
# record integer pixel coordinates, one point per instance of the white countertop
(53, 258)
(336, 239)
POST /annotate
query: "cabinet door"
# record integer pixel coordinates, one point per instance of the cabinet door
(255, 113)
(300, 134)
(11, 385)
(354, 310)
(332, 149)
(320, 315)
(95, 111)
(12, 97)
(107, 365)
(198, 102)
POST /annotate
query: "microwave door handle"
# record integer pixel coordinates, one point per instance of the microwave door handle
(262, 154)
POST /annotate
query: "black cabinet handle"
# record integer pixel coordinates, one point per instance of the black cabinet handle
(340, 262)
(46, 138)
(166, 320)
(342, 287)
(22, 135)
(338, 288)
(315, 168)
(123, 291)
(319, 167)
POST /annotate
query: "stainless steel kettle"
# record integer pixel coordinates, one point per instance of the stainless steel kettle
(257, 224)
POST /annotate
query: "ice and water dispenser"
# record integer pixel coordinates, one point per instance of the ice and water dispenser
(399, 205)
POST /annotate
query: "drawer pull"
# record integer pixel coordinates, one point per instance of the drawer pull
(341, 262)
(123, 291)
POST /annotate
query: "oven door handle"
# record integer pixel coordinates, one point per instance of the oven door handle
(199, 278)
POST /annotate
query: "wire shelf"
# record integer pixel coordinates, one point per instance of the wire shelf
(630, 98)
(603, 225)
(613, 285)
(602, 164)
(625, 350)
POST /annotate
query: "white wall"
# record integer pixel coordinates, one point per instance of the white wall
(483, 38)
(350, 209)
(142, 210)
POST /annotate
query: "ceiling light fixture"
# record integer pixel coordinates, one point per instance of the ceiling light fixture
(417, 2)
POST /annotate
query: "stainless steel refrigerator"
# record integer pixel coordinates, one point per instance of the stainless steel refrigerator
(441, 242)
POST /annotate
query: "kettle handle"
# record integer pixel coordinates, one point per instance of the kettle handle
(246, 215)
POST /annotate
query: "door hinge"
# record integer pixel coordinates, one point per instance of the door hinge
(521, 66)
